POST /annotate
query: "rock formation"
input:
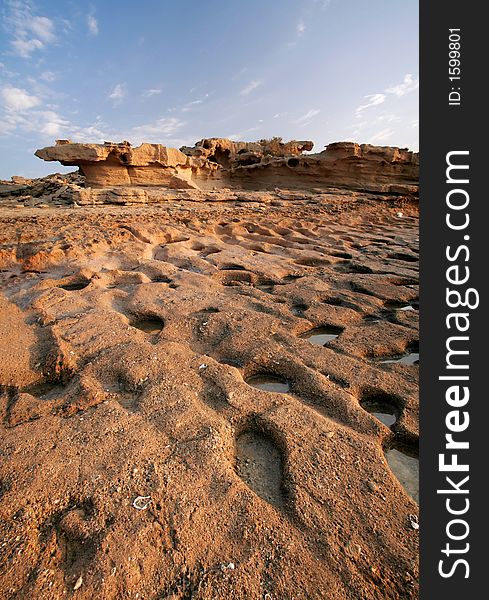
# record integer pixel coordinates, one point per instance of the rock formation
(111, 164)
(218, 163)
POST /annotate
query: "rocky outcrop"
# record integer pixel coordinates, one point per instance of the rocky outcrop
(362, 167)
(230, 154)
(216, 163)
(111, 164)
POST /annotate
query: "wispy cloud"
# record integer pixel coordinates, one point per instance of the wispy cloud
(92, 23)
(307, 117)
(250, 87)
(301, 27)
(48, 76)
(381, 136)
(157, 130)
(118, 93)
(408, 85)
(322, 4)
(373, 100)
(194, 103)
(239, 74)
(30, 32)
(42, 27)
(236, 137)
(151, 92)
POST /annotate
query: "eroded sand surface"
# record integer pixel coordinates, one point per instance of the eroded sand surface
(130, 334)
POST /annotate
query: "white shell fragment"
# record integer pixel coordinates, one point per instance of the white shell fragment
(141, 502)
(78, 583)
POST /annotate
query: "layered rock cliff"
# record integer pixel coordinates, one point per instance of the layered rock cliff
(216, 163)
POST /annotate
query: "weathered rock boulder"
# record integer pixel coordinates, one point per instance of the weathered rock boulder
(112, 164)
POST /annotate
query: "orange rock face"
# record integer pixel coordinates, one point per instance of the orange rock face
(222, 163)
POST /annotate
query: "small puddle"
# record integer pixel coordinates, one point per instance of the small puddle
(322, 335)
(410, 358)
(371, 319)
(266, 287)
(298, 309)
(405, 465)
(398, 305)
(385, 412)
(268, 383)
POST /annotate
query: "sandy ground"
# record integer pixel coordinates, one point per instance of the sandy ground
(128, 336)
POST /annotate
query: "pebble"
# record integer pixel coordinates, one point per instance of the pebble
(78, 583)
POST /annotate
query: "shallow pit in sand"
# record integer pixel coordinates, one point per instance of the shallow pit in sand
(74, 286)
(150, 325)
(269, 383)
(259, 464)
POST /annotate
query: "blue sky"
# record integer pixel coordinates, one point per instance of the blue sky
(175, 72)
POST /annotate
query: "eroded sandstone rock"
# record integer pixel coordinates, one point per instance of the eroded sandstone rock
(111, 164)
(216, 163)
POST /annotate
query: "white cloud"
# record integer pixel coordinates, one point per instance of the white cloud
(92, 24)
(42, 28)
(408, 85)
(53, 125)
(190, 105)
(388, 118)
(373, 100)
(156, 130)
(236, 137)
(118, 93)
(301, 27)
(30, 32)
(250, 87)
(90, 134)
(48, 76)
(46, 123)
(24, 47)
(306, 118)
(323, 4)
(151, 92)
(381, 136)
(16, 99)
